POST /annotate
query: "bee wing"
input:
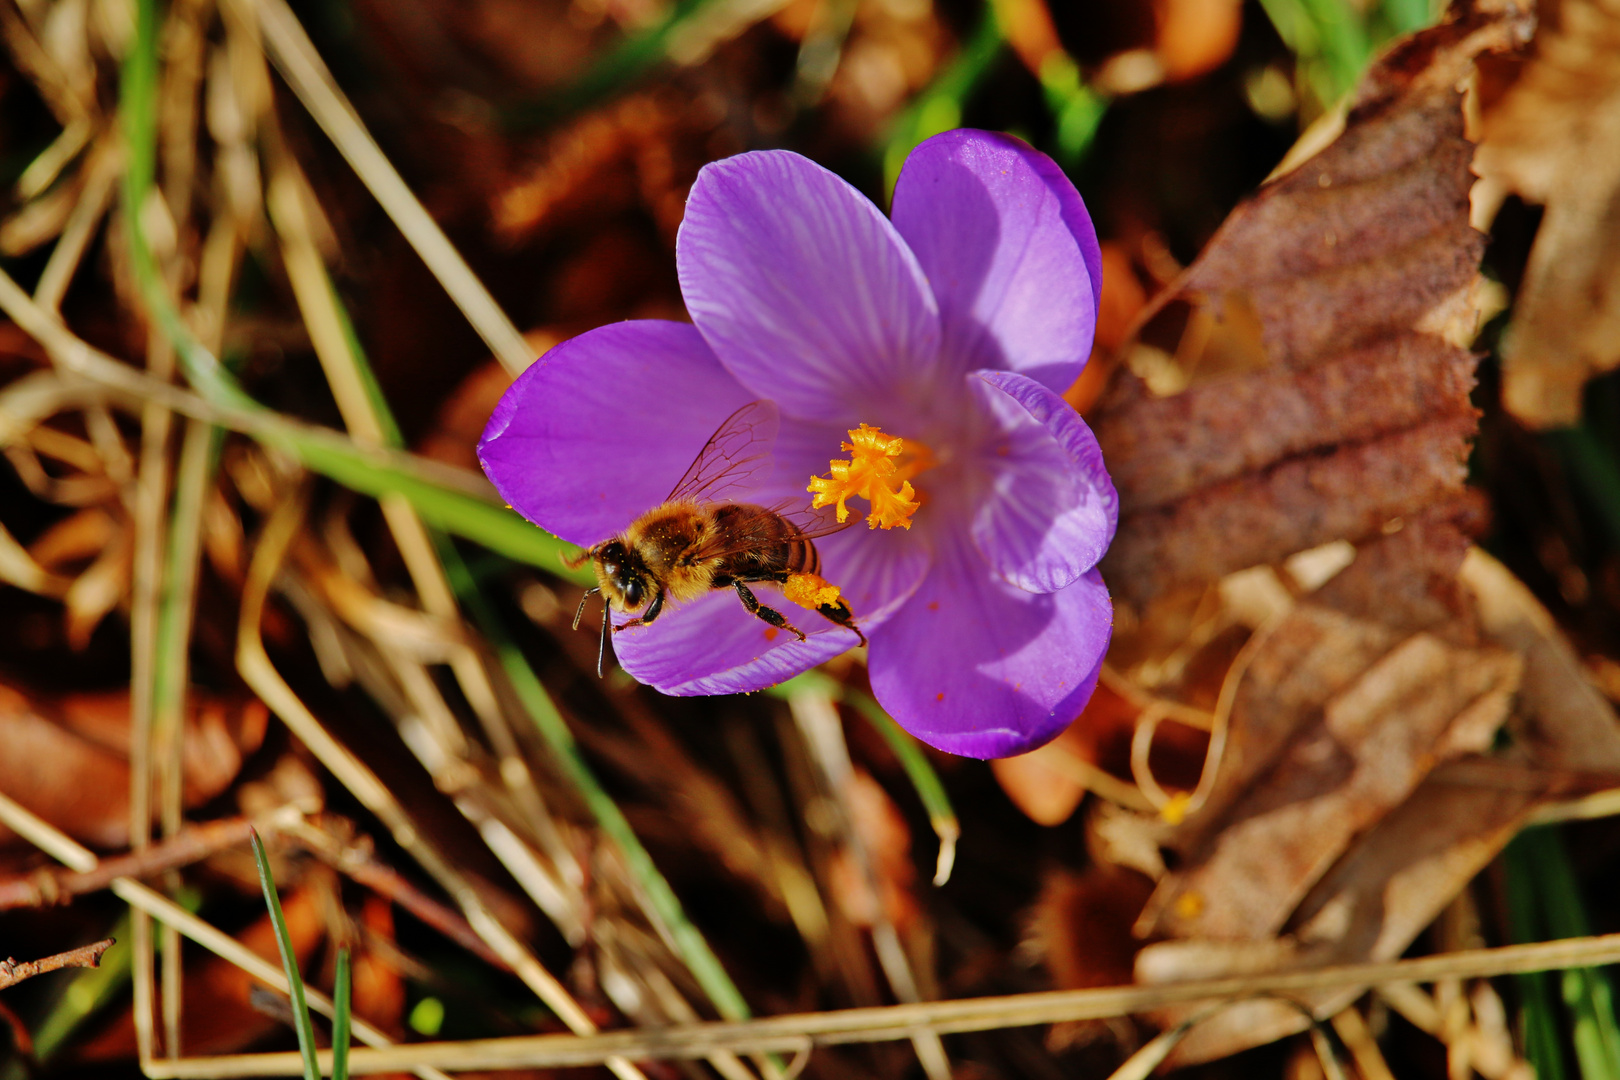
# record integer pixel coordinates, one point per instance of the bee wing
(813, 523)
(759, 529)
(736, 459)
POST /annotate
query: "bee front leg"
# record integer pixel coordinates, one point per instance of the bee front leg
(770, 615)
(653, 609)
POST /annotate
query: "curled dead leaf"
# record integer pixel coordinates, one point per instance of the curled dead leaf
(1554, 139)
(1303, 389)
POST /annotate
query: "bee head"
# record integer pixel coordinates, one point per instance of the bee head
(622, 574)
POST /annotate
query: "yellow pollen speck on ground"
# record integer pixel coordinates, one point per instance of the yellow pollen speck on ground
(1174, 812)
(876, 473)
(808, 590)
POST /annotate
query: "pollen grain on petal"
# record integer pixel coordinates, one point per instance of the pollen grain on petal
(879, 470)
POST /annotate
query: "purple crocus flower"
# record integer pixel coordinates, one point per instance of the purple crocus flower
(954, 327)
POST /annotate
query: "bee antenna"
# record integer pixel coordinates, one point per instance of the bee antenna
(580, 611)
(607, 627)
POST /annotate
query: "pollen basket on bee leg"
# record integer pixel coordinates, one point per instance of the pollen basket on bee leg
(879, 470)
(811, 591)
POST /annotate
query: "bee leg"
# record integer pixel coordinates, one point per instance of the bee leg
(840, 614)
(653, 609)
(607, 628)
(770, 615)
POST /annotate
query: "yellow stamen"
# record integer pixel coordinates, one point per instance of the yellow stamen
(876, 473)
(811, 591)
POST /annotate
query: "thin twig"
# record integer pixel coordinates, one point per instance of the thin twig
(261, 675)
(454, 499)
(57, 886)
(137, 387)
(200, 842)
(370, 423)
(85, 956)
(295, 57)
(355, 861)
(65, 849)
(787, 1034)
(823, 732)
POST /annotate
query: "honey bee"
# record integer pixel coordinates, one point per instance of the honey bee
(697, 539)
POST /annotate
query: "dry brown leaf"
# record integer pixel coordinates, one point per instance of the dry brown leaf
(1122, 298)
(1398, 877)
(1554, 139)
(1041, 783)
(84, 738)
(1562, 721)
(887, 840)
(1047, 784)
(640, 152)
(1080, 929)
(1319, 308)
(1363, 750)
(1306, 383)
(1195, 36)
(379, 990)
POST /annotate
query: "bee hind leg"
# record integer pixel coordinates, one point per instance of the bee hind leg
(770, 615)
(840, 614)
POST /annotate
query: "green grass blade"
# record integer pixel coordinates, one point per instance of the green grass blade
(289, 963)
(1538, 1012)
(1294, 25)
(1328, 37)
(340, 1018)
(494, 526)
(939, 108)
(941, 815)
(632, 58)
(326, 452)
(1343, 33)
(1591, 466)
(1408, 16)
(1077, 108)
(392, 435)
(89, 990)
(688, 939)
(1587, 993)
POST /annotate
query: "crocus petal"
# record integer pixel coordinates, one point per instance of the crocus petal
(973, 666)
(1009, 250)
(877, 571)
(712, 645)
(802, 287)
(599, 429)
(1052, 510)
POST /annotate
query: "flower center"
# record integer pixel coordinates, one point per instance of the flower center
(879, 470)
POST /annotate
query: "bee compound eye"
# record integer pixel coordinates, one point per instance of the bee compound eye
(633, 592)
